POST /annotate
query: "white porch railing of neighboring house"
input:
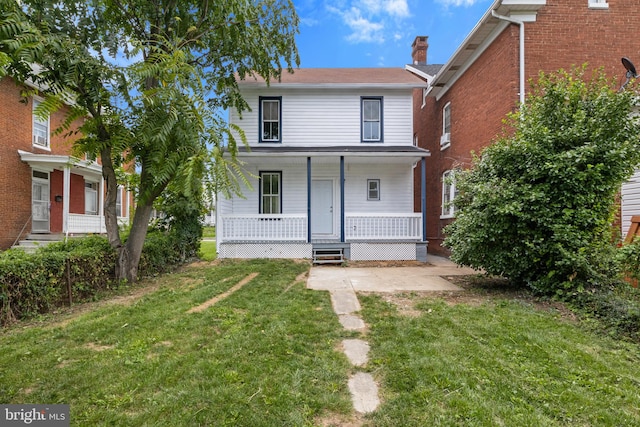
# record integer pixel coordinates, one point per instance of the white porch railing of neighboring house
(293, 228)
(79, 223)
(383, 226)
(272, 228)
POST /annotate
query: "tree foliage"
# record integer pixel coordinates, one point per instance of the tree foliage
(537, 205)
(152, 78)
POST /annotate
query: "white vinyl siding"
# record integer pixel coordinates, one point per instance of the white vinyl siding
(329, 117)
(630, 201)
(396, 180)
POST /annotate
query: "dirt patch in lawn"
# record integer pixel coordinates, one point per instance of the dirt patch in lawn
(339, 420)
(477, 290)
(223, 295)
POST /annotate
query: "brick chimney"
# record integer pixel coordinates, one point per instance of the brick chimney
(419, 50)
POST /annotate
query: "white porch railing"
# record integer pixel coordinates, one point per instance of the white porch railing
(264, 227)
(78, 223)
(383, 226)
(293, 228)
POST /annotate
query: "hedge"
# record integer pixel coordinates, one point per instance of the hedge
(72, 271)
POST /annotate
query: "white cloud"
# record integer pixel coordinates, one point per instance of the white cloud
(363, 30)
(398, 8)
(367, 18)
(457, 3)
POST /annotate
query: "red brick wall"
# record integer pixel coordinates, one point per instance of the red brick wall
(565, 33)
(15, 175)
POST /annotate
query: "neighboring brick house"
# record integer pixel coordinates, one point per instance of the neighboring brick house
(46, 192)
(463, 108)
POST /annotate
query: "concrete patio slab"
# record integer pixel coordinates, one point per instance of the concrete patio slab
(383, 279)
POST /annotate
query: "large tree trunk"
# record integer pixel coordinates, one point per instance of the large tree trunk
(129, 254)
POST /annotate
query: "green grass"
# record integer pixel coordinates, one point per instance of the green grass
(207, 250)
(267, 356)
(501, 363)
(209, 232)
(264, 356)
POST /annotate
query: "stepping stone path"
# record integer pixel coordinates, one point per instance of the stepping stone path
(363, 388)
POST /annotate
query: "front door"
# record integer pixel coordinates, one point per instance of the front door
(40, 205)
(322, 208)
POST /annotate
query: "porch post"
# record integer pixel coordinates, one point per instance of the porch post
(103, 225)
(423, 196)
(342, 199)
(308, 199)
(66, 194)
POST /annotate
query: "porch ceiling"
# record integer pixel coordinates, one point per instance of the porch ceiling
(49, 162)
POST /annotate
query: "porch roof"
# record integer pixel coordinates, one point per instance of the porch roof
(336, 150)
(49, 162)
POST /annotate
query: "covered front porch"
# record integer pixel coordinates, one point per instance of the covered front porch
(357, 200)
(68, 196)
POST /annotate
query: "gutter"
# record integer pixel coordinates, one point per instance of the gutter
(521, 24)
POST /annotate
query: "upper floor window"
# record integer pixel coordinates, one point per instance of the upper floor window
(445, 139)
(598, 4)
(270, 192)
(40, 128)
(270, 119)
(371, 113)
(448, 194)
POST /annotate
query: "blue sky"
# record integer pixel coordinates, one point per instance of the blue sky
(379, 33)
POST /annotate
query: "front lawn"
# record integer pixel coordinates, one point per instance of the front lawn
(268, 355)
(497, 359)
(263, 356)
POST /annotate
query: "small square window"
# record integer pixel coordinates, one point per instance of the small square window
(373, 189)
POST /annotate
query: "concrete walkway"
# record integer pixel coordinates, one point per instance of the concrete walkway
(343, 283)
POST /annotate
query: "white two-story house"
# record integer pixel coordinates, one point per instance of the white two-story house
(331, 158)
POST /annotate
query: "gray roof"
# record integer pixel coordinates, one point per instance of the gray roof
(430, 69)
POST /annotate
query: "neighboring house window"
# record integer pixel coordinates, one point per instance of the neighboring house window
(598, 4)
(448, 194)
(373, 189)
(40, 128)
(371, 113)
(270, 192)
(415, 139)
(119, 201)
(270, 119)
(91, 198)
(445, 139)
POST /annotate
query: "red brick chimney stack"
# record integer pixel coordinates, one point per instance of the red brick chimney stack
(419, 50)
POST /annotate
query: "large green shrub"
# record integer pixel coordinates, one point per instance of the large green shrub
(537, 205)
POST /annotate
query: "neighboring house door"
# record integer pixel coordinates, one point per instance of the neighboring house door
(40, 205)
(322, 207)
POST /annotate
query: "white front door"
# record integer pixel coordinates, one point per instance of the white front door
(322, 207)
(40, 206)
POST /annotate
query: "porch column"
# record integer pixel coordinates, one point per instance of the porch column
(66, 194)
(103, 225)
(423, 197)
(308, 199)
(342, 199)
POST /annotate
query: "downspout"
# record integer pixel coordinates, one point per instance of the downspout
(521, 24)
